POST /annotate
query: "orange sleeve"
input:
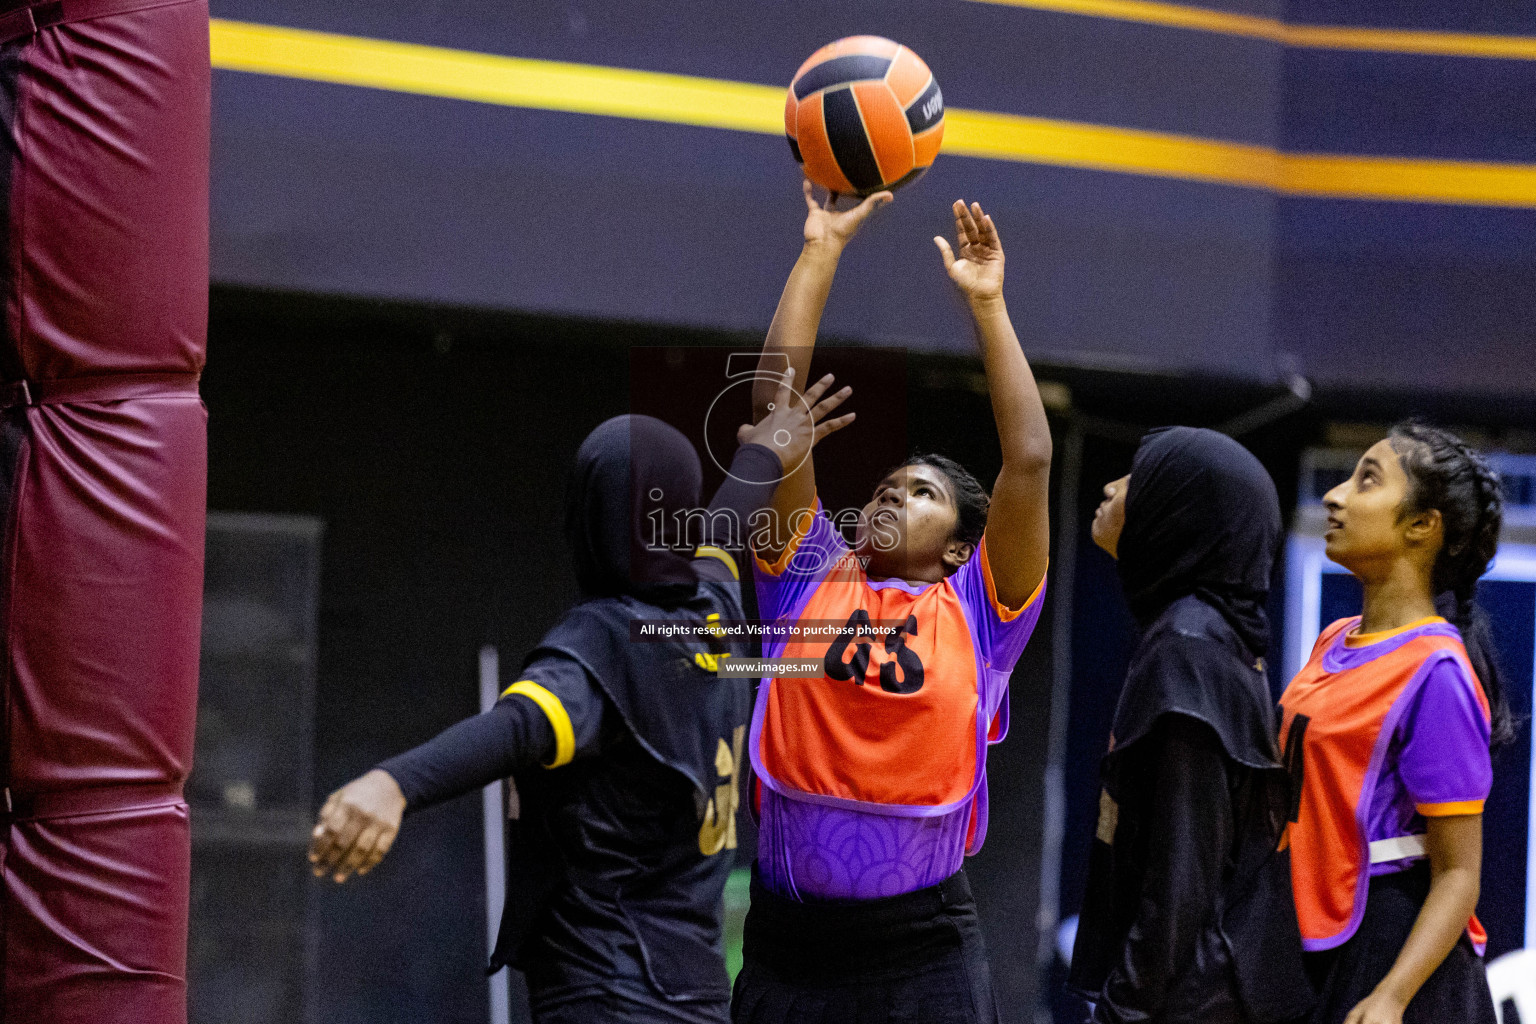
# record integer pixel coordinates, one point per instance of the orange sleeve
(1450, 810)
(803, 527)
(1003, 611)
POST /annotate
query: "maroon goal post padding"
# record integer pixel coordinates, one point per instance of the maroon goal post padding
(104, 223)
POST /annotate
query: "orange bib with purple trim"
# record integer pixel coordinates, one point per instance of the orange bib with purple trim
(1337, 722)
(894, 721)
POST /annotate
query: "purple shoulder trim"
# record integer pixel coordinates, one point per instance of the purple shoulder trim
(1340, 657)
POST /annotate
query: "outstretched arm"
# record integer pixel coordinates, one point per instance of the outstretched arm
(360, 821)
(1018, 525)
(551, 716)
(782, 438)
(792, 336)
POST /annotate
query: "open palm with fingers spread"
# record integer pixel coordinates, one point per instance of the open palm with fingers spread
(795, 425)
(978, 268)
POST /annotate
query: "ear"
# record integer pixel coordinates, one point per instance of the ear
(957, 553)
(1425, 528)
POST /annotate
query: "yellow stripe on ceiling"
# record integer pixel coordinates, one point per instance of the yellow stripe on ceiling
(1394, 40)
(1315, 37)
(1147, 12)
(1040, 140)
(1396, 178)
(489, 78)
(741, 106)
(1159, 154)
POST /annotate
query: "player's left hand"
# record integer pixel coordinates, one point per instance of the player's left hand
(978, 269)
(796, 425)
(1377, 1008)
(357, 826)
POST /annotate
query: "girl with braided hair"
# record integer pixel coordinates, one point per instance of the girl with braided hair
(1387, 733)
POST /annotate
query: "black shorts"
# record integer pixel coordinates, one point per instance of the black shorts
(914, 957)
(1457, 991)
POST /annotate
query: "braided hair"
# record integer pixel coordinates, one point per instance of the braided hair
(971, 498)
(1446, 474)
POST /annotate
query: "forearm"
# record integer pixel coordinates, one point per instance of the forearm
(1018, 525)
(748, 487)
(796, 321)
(1022, 427)
(1450, 905)
(513, 736)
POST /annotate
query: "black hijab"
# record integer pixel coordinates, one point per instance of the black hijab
(632, 478)
(1202, 524)
(1201, 518)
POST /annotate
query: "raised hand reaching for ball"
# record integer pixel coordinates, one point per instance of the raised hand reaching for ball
(978, 269)
(826, 225)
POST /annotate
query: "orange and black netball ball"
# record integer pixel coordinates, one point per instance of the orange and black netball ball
(864, 114)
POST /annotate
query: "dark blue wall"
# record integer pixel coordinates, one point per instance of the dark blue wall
(1406, 296)
(338, 189)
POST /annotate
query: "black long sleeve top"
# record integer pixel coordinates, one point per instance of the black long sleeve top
(1184, 841)
(516, 734)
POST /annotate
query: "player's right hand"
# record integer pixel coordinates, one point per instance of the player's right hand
(357, 826)
(794, 425)
(978, 268)
(827, 225)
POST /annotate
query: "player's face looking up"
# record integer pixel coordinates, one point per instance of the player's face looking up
(1109, 518)
(907, 529)
(1368, 527)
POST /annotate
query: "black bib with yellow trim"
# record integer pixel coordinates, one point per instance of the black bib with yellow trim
(634, 844)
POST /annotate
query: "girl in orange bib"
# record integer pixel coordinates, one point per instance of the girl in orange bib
(872, 769)
(1387, 731)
